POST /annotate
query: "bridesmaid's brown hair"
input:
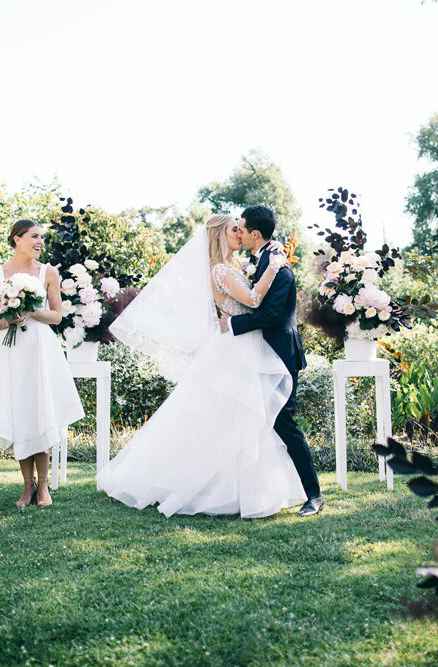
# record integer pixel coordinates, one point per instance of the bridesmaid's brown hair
(19, 228)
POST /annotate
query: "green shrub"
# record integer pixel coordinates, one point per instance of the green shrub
(360, 456)
(82, 445)
(315, 398)
(414, 368)
(315, 342)
(316, 408)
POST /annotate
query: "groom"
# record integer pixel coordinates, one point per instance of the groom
(276, 317)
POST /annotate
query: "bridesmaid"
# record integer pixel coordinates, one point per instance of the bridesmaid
(38, 396)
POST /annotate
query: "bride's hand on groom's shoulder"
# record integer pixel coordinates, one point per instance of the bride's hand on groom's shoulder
(277, 261)
(276, 247)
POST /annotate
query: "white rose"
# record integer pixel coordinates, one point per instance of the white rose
(369, 276)
(335, 267)
(331, 277)
(347, 257)
(349, 309)
(384, 315)
(370, 312)
(68, 287)
(77, 269)
(14, 303)
(340, 303)
(371, 296)
(19, 281)
(68, 308)
(88, 295)
(91, 314)
(382, 300)
(84, 280)
(12, 291)
(91, 264)
(110, 287)
(250, 269)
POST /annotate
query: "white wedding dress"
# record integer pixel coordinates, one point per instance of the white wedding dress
(38, 396)
(210, 448)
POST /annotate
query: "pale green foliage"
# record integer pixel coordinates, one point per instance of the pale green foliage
(414, 358)
(35, 202)
(256, 180)
(177, 226)
(412, 276)
(136, 248)
(422, 201)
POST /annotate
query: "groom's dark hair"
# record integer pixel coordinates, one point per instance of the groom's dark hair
(260, 218)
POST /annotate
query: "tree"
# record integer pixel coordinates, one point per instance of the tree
(122, 244)
(256, 180)
(36, 201)
(422, 201)
(135, 248)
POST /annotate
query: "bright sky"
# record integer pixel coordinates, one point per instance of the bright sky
(141, 102)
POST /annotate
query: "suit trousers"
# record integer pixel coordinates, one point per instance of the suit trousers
(296, 443)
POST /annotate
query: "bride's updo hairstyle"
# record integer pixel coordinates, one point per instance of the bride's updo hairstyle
(19, 228)
(217, 238)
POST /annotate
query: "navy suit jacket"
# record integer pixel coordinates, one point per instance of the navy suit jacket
(276, 317)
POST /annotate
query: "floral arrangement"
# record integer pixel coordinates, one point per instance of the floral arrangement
(350, 301)
(91, 283)
(20, 294)
(86, 301)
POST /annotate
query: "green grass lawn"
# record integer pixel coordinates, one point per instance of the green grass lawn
(91, 582)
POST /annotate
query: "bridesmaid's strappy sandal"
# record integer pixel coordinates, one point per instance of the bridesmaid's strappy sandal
(46, 503)
(21, 504)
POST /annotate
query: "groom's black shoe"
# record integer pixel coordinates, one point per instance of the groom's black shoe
(312, 506)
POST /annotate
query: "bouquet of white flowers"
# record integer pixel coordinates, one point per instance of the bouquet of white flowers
(350, 301)
(20, 294)
(85, 302)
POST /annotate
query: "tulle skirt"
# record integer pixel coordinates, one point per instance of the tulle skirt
(38, 396)
(211, 447)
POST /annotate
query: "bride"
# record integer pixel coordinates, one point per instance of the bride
(211, 446)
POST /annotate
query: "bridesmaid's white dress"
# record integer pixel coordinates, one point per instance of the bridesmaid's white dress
(38, 396)
(211, 447)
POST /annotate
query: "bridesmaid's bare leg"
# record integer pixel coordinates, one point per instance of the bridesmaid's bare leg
(42, 466)
(27, 470)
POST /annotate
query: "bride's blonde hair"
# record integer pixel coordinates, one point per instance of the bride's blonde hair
(217, 238)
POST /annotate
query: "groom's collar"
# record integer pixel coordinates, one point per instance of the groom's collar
(258, 254)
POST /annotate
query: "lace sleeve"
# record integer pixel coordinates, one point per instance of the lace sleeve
(235, 285)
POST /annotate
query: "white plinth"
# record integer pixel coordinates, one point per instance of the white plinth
(101, 370)
(342, 370)
(85, 353)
